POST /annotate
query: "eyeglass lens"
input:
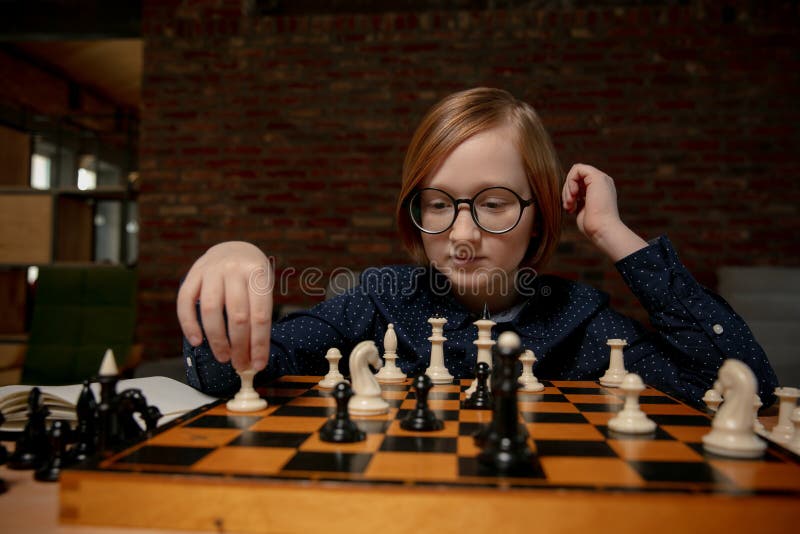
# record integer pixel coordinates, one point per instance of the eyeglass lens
(496, 209)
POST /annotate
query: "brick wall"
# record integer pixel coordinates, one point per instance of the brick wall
(289, 132)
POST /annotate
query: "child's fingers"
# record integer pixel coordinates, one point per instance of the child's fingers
(212, 300)
(260, 323)
(571, 192)
(237, 306)
(187, 314)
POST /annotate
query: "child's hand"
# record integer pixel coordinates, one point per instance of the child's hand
(235, 277)
(590, 193)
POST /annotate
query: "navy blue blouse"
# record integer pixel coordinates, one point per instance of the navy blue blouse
(566, 324)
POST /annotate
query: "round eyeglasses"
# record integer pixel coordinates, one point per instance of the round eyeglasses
(496, 210)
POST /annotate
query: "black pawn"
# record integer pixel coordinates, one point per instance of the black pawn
(32, 445)
(481, 398)
(421, 418)
(59, 436)
(341, 429)
(86, 409)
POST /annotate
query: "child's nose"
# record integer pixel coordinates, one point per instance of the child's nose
(464, 228)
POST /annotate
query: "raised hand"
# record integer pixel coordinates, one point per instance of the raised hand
(235, 277)
(590, 194)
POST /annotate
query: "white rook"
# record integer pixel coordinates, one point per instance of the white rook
(616, 367)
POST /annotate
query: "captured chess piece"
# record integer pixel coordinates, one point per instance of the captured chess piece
(131, 402)
(86, 435)
(390, 373)
(107, 422)
(437, 371)
(367, 399)
(32, 445)
(616, 366)
(506, 449)
(341, 429)
(484, 342)
(333, 377)
(732, 428)
(631, 419)
(481, 398)
(114, 420)
(527, 380)
(59, 437)
(247, 398)
(421, 418)
(784, 430)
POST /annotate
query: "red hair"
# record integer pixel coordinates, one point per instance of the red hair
(458, 117)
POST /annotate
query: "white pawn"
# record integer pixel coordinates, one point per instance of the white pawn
(784, 430)
(616, 367)
(247, 399)
(437, 372)
(484, 343)
(527, 380)
(333, 377)
(732, 428)
(713, 399)
(366, 399)
(794, 444)
(631, 419)
(390, 373)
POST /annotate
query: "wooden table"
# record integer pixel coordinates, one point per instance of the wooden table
(29, 506)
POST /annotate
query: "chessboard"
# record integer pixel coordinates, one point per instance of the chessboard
(268, 471)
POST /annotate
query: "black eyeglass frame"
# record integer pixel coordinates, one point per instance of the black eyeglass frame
(471, 203)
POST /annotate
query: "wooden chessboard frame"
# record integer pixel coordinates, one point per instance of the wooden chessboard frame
(269, 472)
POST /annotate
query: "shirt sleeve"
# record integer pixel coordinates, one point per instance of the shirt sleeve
(696, 330)
(298, 344)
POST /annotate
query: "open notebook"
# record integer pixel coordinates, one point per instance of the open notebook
(173, 398)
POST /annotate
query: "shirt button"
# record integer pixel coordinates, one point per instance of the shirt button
(188, 361)
(717, 328)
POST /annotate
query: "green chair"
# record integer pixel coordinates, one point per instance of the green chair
(78, 313)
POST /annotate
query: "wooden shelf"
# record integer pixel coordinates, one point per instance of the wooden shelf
(15, 159)
(56, 226)
(13, 338)
(27, 222)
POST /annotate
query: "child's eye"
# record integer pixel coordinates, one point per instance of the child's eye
(439, 205)
(494, 205)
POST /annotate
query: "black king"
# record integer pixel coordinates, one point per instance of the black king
(506, 449)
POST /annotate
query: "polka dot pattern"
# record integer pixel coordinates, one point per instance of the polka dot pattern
(566, 325)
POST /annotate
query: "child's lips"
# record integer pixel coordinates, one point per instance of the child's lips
(464, 261)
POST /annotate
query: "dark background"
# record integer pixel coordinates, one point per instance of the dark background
(285, 124)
